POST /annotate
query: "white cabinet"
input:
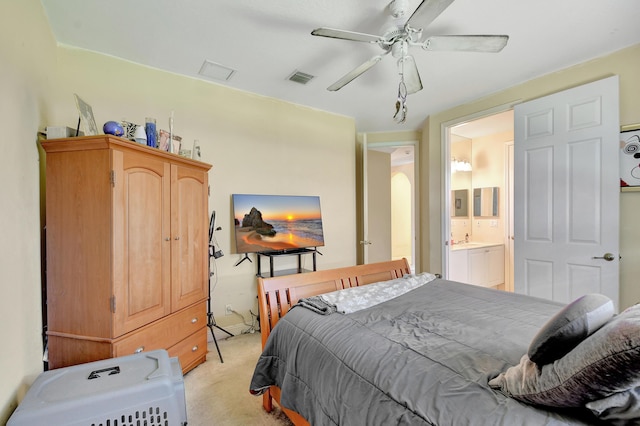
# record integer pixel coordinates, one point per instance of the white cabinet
(478, 267)
(458, 266)
(483, 266)
(495, 260)
(486, 266)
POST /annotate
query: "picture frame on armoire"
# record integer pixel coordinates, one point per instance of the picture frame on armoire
(196, 153)
(86, 117)
(630, 158)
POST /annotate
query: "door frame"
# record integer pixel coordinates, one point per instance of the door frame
(509, 217)
(445, 132)
(365, 144)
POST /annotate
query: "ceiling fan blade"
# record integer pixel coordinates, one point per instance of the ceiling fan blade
(427, 12)
(466, 43)
(353, 74)
(407, 66)
(346, 35)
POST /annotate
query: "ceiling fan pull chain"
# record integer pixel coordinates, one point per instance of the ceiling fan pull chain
(401, 102)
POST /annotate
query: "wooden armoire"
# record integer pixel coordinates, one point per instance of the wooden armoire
(126, 251)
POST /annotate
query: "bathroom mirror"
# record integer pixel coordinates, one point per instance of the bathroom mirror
(460, 203)
(485, 201)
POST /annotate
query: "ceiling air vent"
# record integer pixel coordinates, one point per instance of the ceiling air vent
(301, 77)
(216, 71)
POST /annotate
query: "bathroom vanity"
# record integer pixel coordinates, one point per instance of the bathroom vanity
(477, 263)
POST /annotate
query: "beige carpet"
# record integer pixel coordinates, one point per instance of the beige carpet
(217, 393)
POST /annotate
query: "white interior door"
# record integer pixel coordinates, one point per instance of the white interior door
(378, 225)
(567, 193)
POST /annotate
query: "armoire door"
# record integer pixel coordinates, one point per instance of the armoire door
(142, 240)
(189, 233)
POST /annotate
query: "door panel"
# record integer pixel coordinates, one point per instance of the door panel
(567, 193)
(189, 233)
(538, 164)
(141, 229)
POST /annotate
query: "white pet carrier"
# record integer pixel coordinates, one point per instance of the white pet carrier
(145, 389)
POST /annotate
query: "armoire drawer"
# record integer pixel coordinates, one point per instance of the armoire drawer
(191, 351)
(165, 332)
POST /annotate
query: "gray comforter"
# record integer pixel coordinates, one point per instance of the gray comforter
(423, 358)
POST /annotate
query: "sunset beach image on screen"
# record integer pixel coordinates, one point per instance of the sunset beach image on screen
(272, 223)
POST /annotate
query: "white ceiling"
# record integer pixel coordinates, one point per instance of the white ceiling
(266, 41)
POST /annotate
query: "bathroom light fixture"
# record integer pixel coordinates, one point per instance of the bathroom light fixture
(460, 166)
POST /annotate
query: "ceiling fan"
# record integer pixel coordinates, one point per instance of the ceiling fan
(400, 38)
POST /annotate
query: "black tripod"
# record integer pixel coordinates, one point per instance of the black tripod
(211, 321)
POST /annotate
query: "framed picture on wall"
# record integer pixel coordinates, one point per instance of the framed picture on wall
(630, 157)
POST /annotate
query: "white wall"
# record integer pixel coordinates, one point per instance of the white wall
(256, 145)
(461, 150)
(489, 170)
(26, 54)
(402, 211)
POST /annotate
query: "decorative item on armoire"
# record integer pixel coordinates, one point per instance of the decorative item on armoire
(170, 130)
(113, 128)
(150, 129)
(164, 140)
(129, 130)
(140, 135)
(176, 143)
(196, 154)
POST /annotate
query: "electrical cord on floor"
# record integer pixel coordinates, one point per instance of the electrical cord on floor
(252, 327)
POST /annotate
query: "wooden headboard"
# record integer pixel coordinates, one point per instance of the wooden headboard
(276, 295)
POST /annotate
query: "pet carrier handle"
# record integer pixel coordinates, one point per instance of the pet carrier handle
(95, 374)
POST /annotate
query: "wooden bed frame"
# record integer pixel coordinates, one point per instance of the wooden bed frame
(276, 295)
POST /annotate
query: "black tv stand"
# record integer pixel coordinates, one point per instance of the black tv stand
(246, 257)
(293, 252)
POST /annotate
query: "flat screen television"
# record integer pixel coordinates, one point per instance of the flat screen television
(276, 223)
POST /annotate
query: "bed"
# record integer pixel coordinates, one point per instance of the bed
(439, 353)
